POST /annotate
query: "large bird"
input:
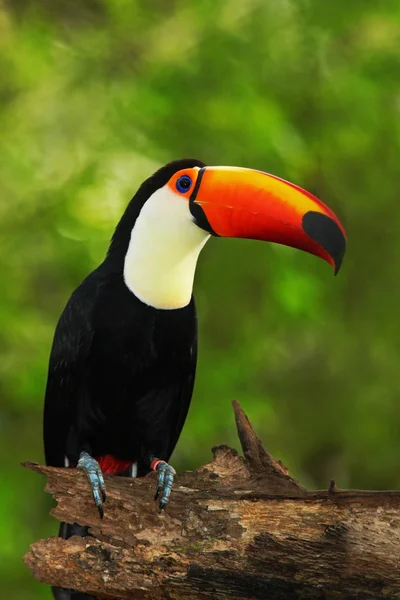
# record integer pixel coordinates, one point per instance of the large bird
(123, 361)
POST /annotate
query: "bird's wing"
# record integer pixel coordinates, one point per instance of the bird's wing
(65, 384)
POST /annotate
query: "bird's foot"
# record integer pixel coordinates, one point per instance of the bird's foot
(95, 476)
(166, 475)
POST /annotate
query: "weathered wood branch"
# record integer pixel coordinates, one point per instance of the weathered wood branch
(236, 528)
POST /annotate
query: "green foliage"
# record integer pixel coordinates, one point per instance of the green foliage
(94, 96)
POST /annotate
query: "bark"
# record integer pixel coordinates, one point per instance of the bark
(235, 528)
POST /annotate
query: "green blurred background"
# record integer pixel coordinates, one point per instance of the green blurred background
(97, 94)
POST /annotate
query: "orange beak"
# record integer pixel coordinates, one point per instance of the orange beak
(243, 203)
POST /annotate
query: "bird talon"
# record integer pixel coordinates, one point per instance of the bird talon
(166, 475)
(96, 480)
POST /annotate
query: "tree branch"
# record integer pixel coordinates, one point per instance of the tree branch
(236, 528)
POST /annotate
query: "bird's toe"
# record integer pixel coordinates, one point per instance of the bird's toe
(95, 476)
(165, 480)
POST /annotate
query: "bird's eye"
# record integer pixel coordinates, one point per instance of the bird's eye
(183, 183)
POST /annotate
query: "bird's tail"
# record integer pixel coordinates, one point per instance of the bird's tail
(66, 531)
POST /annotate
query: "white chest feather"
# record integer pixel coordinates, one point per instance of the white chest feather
(163, 251)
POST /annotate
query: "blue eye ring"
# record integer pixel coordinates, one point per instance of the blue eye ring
(183, 183)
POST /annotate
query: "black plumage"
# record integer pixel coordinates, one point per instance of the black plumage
(121, 373)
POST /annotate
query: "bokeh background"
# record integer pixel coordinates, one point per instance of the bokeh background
(97, 94)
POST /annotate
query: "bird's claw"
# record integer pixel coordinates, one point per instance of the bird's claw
(95, 476)
(166, 475)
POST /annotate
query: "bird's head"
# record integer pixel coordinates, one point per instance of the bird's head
(185, 202)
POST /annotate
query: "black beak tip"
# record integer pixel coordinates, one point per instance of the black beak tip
(327, 233)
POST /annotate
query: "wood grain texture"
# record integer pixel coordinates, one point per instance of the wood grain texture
(236, 528)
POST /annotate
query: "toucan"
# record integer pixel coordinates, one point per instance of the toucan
(123, 360)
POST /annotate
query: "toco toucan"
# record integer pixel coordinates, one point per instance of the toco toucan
(123, 361)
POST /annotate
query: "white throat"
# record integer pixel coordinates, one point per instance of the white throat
(163, 251)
